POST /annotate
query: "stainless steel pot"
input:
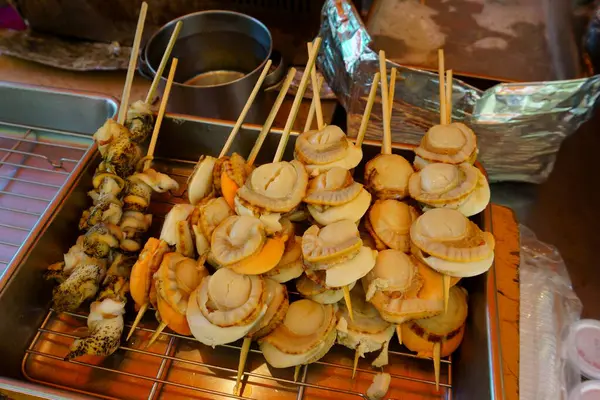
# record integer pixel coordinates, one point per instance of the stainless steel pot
(221, 55)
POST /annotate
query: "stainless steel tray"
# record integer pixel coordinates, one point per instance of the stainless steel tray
(34, 339)
(45, 137)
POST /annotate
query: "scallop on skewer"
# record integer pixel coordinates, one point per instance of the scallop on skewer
(210, 171)
(441, 335)
(334, 256)
(451, 244)
(175, 280)
(277, 188)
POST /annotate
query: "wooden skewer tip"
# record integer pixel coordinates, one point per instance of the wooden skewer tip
(348, 301)
(436, 363)
(355, 365)
(156, 334)
(297, 372)
(241, 365)
(137, 320)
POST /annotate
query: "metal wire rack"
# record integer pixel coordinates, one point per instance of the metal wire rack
(179, 367)
(34, 165)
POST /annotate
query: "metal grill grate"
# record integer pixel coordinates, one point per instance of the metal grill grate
(179, 367)
(34, 165)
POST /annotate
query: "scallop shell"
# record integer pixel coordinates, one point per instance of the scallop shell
(452, 144)
(438, 184)
(387, 175)
(228, 299)
(332, 188)
(389, 223)
(333, 242)
(449, 235)
(276, 187)
(237, 238)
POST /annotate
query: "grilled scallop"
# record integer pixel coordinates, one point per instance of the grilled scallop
(448, 242)
(208, 214)
(388, 223)
(333, 196)
(455, 143)
(317, 292)
(402, 288)
(200, 182)
(226, 307)
(325, 149)
(140, 121)
(337, 249)
(367, 331)
(277, 187)
(387, 175)
(175, 280)
(462, 187)
(240, 243)
(176, 229)
(306, 335)
(447, 328)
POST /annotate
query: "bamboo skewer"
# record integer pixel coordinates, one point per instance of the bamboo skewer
(297, 372)
(269, 122)
(446, 284)
(386, 147)
(242, 116)
(392, 91)
(313, 106)
(132, 64)
(449, 96)
(355, 365)
(297, 100)
(163, 62)
(161, 114)
(137, 320)
(360, 136)
(436, 363)
(157, 333)
(441, 73)
(237, 389)
(316, 92)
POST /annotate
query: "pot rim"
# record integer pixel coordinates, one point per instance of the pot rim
(190, 15)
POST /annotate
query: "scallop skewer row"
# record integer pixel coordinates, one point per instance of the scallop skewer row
(213, 204)
(446, 177)
(203, 173)
(106, 317)
(298, 180)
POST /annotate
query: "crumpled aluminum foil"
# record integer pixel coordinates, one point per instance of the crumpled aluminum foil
(520, 127)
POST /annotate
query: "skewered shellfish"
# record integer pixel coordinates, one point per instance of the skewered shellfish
(454, 143)
(387, 175)
(388, 222)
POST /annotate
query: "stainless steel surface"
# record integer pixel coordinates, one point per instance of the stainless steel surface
(35, 340)
(211, 42)
(44, 135)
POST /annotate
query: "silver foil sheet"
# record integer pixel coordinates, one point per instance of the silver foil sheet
(520, 126)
